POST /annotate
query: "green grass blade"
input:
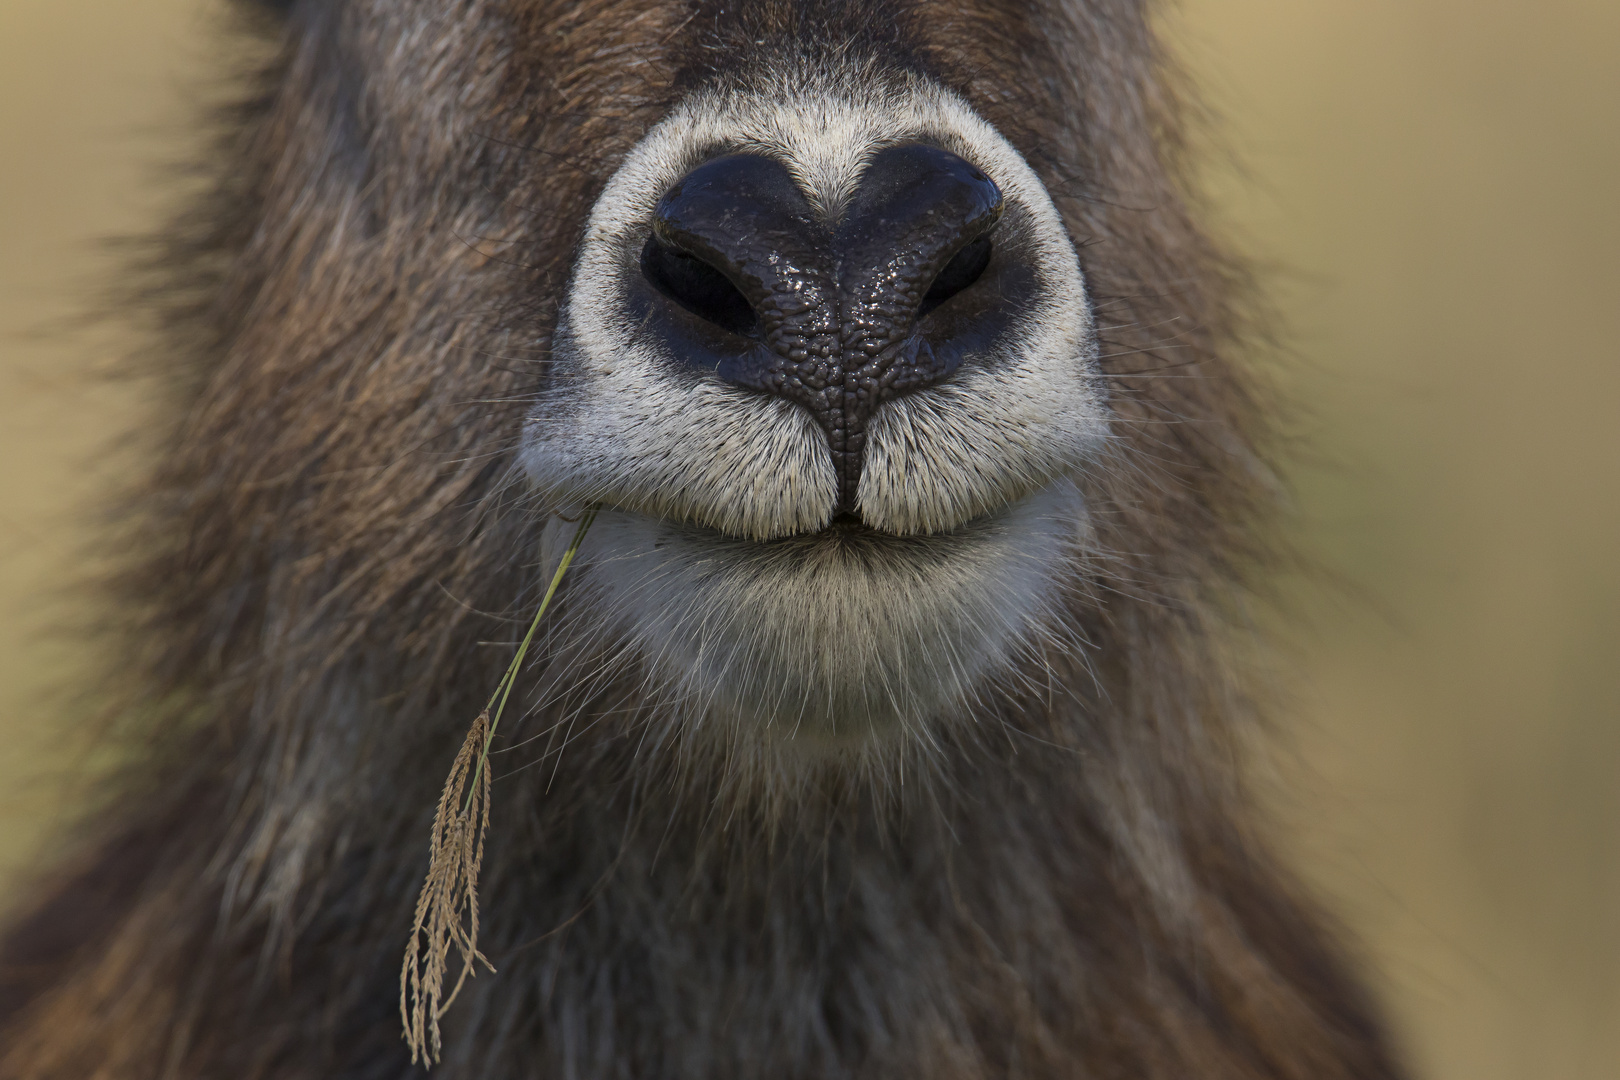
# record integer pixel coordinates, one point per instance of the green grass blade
(504, 691)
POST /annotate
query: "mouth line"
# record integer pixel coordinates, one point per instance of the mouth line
(845, 527)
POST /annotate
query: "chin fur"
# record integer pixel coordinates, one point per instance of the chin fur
(825, 641)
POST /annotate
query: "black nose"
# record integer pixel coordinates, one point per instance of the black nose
(831, 314)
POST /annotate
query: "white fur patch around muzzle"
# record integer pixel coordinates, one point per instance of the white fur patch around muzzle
(828, 638)
(715, 563)
(625, 424)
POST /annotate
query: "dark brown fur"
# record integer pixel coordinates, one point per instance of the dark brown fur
(1075, 893)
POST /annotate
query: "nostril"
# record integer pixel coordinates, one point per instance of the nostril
(965, 267)
(698, 287)
(742, 277)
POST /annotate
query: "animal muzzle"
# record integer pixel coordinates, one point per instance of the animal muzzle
(798, 302)
(828, 307)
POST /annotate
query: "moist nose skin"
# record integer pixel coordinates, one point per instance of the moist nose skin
(831, 315)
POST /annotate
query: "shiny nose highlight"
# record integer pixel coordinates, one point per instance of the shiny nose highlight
(831, 314)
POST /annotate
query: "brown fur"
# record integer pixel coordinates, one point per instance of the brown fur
(1069, 889)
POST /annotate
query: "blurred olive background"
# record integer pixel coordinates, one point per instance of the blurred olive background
(1431, 185)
